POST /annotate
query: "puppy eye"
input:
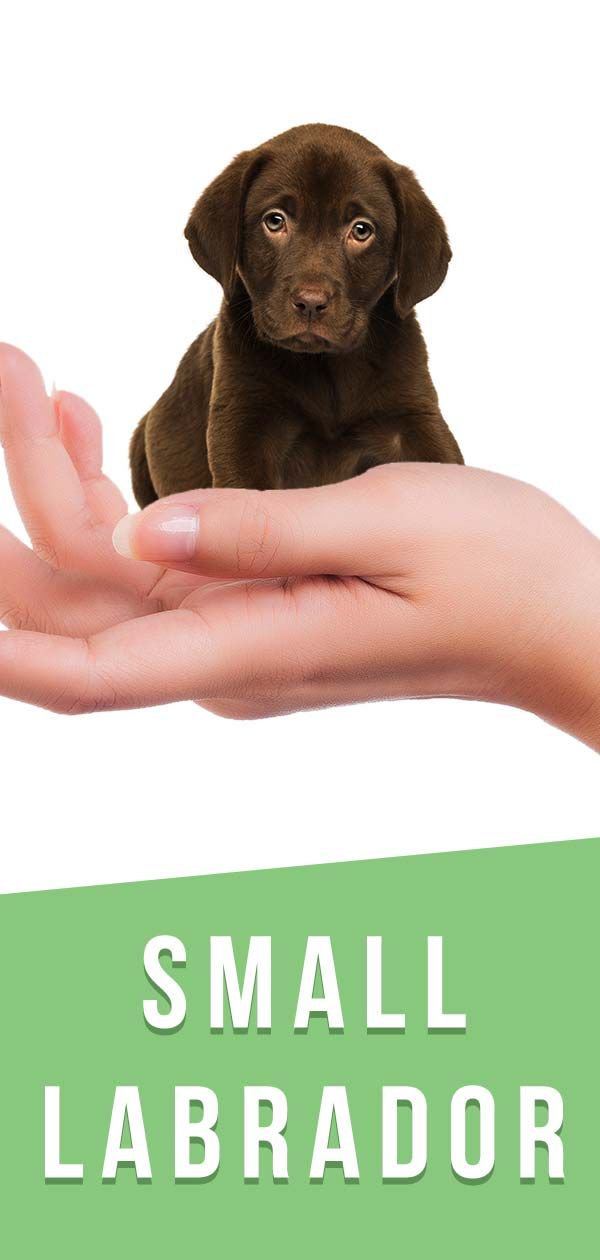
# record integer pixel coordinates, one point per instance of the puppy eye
(274, 220)
(361, 230)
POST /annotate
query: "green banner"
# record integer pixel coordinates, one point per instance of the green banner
(412, 1070)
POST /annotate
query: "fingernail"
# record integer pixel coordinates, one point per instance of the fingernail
(122, 536)
(166, 535)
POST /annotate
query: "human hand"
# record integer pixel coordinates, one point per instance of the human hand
(411, 580)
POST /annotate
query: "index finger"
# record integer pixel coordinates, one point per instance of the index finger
(45, 482)
(353, 528)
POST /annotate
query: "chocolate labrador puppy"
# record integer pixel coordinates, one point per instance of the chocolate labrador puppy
(315, 368)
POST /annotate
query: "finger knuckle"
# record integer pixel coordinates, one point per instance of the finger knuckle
(259, 537)
(15, 617)
(89, 691)
(46, 550)
(70, 705)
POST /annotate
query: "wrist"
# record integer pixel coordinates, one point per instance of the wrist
(559, 677)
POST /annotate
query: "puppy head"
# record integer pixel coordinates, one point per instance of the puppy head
(318, 224)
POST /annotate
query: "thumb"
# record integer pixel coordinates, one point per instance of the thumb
(349, 529)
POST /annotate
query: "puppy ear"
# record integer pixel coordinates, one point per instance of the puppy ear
(423, 248)
(214, 228)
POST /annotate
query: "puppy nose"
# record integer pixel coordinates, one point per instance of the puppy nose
(310, 303)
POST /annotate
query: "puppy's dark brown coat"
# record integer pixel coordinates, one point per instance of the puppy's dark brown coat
(315, 368)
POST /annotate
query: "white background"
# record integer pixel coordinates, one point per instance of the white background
(114, 117)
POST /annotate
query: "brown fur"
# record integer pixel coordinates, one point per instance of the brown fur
(315, 368)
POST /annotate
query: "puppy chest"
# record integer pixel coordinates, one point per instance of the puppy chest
(314, 458)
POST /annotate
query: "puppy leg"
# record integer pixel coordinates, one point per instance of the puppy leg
(427, 438)
(238, 464)
(423, 437)
(246, 448)
(143, 486)
(168, 448)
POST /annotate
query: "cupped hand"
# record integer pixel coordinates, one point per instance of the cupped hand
(411, 580)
